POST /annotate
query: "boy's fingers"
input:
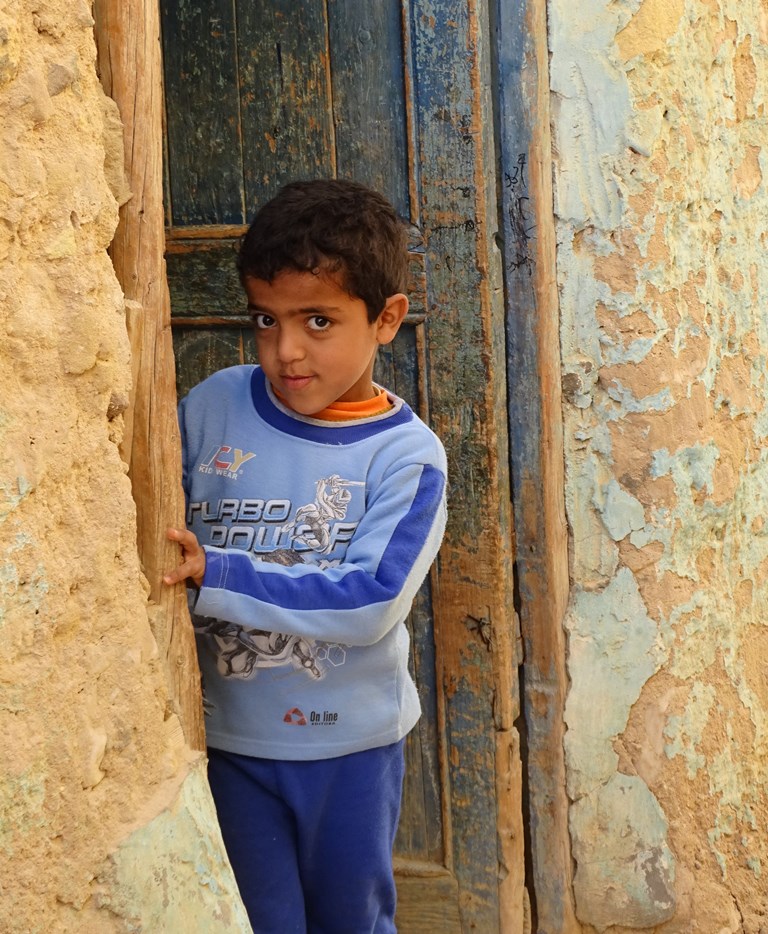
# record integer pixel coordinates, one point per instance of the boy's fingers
(187, 540)
(193, 558)
(180, 535)
(182, 572)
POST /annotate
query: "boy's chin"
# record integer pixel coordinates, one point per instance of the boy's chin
(306, 407)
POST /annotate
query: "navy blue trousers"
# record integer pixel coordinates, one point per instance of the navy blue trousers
(311, 842)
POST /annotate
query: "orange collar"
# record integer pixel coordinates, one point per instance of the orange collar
(345, 411)
(348, 411)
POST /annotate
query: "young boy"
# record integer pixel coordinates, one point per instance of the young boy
(315, 507)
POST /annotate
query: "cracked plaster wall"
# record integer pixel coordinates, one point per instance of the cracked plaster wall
(659, 119)
(106, 823)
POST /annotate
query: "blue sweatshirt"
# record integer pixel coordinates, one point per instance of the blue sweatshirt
(317, 537)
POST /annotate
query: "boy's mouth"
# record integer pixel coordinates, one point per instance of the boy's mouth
(295, 382)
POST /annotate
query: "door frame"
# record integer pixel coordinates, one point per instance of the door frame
(474, 614)
(536, 443)
(130, 68)
(474, 611)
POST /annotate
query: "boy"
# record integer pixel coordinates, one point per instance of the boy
(315, 506)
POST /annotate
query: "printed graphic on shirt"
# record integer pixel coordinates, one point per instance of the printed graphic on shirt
(315, 527)
(268, 526)
(225, 461)
(240, 651)
(312, 523)
(316, 717)
(295, 717)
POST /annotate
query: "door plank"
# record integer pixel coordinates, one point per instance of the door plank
(420, 833)
(536, 440)
(202, 112)
(285, 95)
(368, 77)
(202, 351)
(203, 278)
(428, 899)
(475, 618)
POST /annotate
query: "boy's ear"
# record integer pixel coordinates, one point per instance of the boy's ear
(389, 321)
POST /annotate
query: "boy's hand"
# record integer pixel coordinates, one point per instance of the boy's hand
(192, 558)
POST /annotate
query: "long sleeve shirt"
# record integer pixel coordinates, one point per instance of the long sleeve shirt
(317, 535)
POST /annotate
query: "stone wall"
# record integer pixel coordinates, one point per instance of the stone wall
(662, 218)
(106, 823)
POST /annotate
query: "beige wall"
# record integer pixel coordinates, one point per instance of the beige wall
(660, 126)
(105, 819)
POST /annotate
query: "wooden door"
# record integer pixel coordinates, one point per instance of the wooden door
(392, 94)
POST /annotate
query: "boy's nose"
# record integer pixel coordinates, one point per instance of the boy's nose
(290, 346)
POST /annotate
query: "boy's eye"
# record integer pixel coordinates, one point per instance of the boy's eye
(318, 323)
(261, 321)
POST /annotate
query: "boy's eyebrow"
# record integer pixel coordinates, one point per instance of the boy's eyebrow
(308, 310)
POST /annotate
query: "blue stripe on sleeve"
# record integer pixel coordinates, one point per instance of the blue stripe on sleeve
(305, 588)
(404, 548)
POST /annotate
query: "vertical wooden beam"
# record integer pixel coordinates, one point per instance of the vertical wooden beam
(200, 51)
(474, 615)
(536, 440)
(128, 41)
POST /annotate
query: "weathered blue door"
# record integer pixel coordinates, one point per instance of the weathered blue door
(259, 92)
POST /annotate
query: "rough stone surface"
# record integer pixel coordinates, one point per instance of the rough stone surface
(91, 756)
(181, 857)
(659, 119)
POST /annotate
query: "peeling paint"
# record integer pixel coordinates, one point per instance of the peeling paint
(614, 643)
(180, 851)
(625, 871)
(622, 514)
(685, 732)
(660, 119)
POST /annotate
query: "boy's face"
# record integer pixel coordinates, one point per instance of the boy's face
(315, 343)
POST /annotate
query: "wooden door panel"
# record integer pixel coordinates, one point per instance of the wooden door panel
(428, 900)
(386, 92)
(368, 78)
(202, 105)
(453, 108)
(207, 350)
(202, 277)
(284, 80)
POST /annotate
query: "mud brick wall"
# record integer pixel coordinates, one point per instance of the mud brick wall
(105, 819)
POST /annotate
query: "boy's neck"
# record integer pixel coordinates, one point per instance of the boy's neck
(345, 411)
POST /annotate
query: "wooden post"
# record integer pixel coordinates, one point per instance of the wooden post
(128, 41)
(474, 615)
(536, 441)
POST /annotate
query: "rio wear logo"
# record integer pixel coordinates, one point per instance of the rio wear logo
(225, 461)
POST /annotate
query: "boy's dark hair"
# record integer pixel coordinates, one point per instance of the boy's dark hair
(330, 225)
